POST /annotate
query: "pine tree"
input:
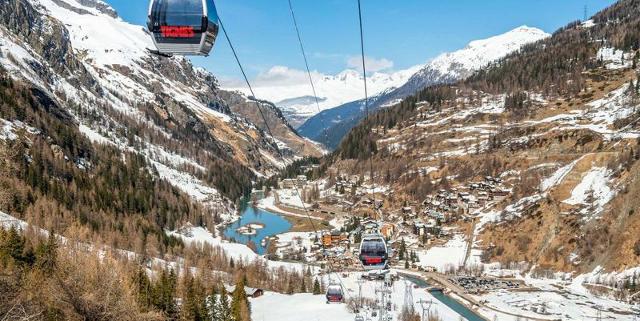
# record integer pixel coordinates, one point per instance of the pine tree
(47, 253)
(303, 286)
(292, 285)
(13, 246)
(164, 294)
(213, 306)
(225, 310)
(406, 264)
(144, 295)
(193, 305)
(316, 287)
(403, 250)
(240, 310)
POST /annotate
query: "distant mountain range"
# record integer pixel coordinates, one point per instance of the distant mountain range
(290, 89)
(330, 126)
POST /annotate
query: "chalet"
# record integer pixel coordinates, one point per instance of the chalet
(251, 292)
(288, 183)
(387, 230)
(407, 210)
(500, 194)
(334, 238)
(301, 181)
(419, 228)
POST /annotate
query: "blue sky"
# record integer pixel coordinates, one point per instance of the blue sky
(399, 33)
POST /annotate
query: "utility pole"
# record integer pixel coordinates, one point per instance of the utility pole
(383, 296)
(408, 295)
(426, 306)
(360, 282)
(586, 14)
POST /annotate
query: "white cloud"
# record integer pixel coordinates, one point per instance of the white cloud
(373, 64)
(276, 76)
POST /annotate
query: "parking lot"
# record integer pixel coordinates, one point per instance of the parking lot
(475, 285)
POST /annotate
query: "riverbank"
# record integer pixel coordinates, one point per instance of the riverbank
(298, 219)
(478, 306)
(459, 304)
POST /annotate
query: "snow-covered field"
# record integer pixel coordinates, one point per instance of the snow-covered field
(593, 190)
(560, 300)
(443, 257)
(199, 235)
(306, 307)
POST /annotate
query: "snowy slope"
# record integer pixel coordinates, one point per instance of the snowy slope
(480, 53)
(87, 59)
(446, 68)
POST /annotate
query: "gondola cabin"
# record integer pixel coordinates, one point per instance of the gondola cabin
(335, 294)
(183, 27)
(374, 253)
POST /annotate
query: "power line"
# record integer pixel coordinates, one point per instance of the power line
(306, 63)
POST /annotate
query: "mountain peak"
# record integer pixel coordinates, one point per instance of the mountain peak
(348, 74)
(515, 37)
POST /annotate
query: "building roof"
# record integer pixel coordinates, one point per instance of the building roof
(248, 290)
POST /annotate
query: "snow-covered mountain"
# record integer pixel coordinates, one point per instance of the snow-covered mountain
(295, 97)
(96, 66)
(478, 54)
(446, 68)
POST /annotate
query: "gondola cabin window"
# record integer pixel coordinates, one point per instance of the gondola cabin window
(178, 13)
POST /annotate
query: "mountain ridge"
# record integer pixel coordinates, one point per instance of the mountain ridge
(446, 68)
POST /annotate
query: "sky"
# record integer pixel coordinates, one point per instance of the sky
(398, 33)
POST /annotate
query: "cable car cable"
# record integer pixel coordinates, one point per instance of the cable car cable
(306, 63)
(366, 105)
(264, 119)
(280, 154)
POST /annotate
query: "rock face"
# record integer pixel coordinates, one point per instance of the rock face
(81, 55)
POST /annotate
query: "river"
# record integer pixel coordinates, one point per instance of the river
(446, 300)
(273, 225)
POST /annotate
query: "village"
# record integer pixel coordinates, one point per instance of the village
(354, 209)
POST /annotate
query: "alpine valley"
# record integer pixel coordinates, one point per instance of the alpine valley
(496, 182)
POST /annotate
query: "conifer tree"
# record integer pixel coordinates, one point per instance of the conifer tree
(292, 286)
(225, 310)
(213, 305)
(47, 253)
(316, 287)
(144, 295)
(164, 294)
(240, 310)
(193, 303)
(303, 286)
